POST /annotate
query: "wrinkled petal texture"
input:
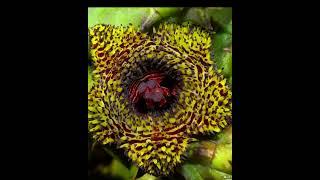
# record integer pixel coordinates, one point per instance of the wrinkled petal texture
(204, 106)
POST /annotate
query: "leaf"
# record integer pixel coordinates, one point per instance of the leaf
(222, 40)
(225, 137)
(218, 175)
(222, 160)
(156, 15)
(201, 152)
(133, 172)
(222, 16)
(119, 170)
(166, 12)
(116, 16)
(125, 16)
(226, 64)
(222, 50)
(199, 172)
(147, 177)
(219, 167)
(90, 83)
(198, 16)
(191, 172)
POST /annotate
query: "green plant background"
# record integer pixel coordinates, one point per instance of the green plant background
(216, 20)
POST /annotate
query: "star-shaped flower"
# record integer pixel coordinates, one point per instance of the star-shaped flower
(152, 95)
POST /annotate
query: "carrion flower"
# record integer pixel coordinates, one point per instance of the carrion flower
(154, 94)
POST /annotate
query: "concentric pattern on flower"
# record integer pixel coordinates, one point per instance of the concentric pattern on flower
(155, 142)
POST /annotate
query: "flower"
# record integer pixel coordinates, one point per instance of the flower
(152, 95)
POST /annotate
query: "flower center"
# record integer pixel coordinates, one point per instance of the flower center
(154, 92)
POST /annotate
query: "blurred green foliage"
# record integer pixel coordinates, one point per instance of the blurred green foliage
(216, 20)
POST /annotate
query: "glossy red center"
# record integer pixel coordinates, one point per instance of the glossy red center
(148, 93)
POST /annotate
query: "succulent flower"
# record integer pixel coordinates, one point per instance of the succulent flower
(154, 94)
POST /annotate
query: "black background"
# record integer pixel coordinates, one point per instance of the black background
(44, 83)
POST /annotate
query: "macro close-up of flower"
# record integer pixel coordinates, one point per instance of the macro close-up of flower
(154, 93)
